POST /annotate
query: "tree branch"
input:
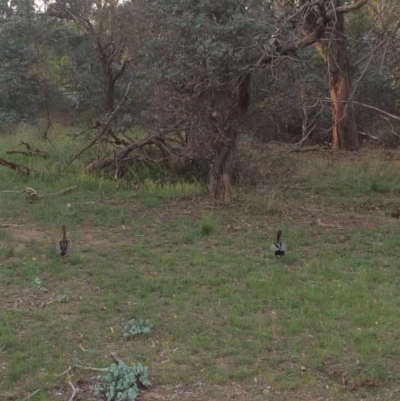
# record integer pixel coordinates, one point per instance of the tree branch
(104, 129)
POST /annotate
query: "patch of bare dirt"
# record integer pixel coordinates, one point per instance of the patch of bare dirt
(328, 219)
(24, 298)
(25, 233)
(96, 238)
(198, 392)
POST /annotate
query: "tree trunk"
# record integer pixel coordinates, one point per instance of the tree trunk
(236, 105)
(222, 169)
(109, 93)
(333, 51)
(328, 26)
(345, 135)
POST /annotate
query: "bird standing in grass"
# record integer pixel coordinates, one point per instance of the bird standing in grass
(278, 247)
(64, 245)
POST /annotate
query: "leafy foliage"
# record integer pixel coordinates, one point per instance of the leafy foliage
(37, 283)
(134, 327)
(122, 382)
(63, 298)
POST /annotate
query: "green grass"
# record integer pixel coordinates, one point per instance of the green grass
(224, 309)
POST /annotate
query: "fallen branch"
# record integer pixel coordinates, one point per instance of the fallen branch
(27, 153)
(30, 151)
(82, 367)
(31, 395)
(74, 390)
(123, 153)
(34, 195)
(117, 359)
(15, 166)
(308, 149)
(64, 191)
(102, 131)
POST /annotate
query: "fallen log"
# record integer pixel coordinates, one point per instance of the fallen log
(110, 158)
(30, 151)
(15, 166)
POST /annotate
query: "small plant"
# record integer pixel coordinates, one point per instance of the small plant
(133, 327)
(207, 225)
(121, 382)
(37, 282)
(9, 252)
(63, 299)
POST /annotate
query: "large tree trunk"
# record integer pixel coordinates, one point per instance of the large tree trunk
(328, 30)
(333, 51)
(222, 169)
(229, 111)
(345, 135)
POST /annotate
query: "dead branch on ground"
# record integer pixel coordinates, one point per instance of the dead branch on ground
(34, 195)
(82, 367)
(74, 390)
(155, 139)
(308, 149)
(30, 151)
(103, 130)
(31, 395)
(117, 359)
(114, 356)
(64, 191)
(15, 166)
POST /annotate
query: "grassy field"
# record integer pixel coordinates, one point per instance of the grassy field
(230, 320)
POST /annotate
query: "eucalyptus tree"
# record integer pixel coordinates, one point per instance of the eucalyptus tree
(25, 50)
(200, 57)
(105, 23)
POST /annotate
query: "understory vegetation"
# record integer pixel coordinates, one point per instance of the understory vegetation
(227, 318)
(151, 151)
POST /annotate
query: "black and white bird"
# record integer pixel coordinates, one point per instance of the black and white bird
(64, 245)
(278, 247)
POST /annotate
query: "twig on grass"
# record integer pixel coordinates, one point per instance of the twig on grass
(82, 367)
(114, 356)
(34, 195)
(117, 359)
(31, 395)
(62, 192)
(74, 391)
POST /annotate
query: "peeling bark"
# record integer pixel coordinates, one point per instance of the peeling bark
(332, 48)
(333, 51)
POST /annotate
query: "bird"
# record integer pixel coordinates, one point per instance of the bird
(278, 247)
(64, 245)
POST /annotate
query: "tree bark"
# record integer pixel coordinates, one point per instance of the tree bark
(109, 92)
(220, 182)
(325, 28)
(344, 136)
(333, 51)
(226, 146)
